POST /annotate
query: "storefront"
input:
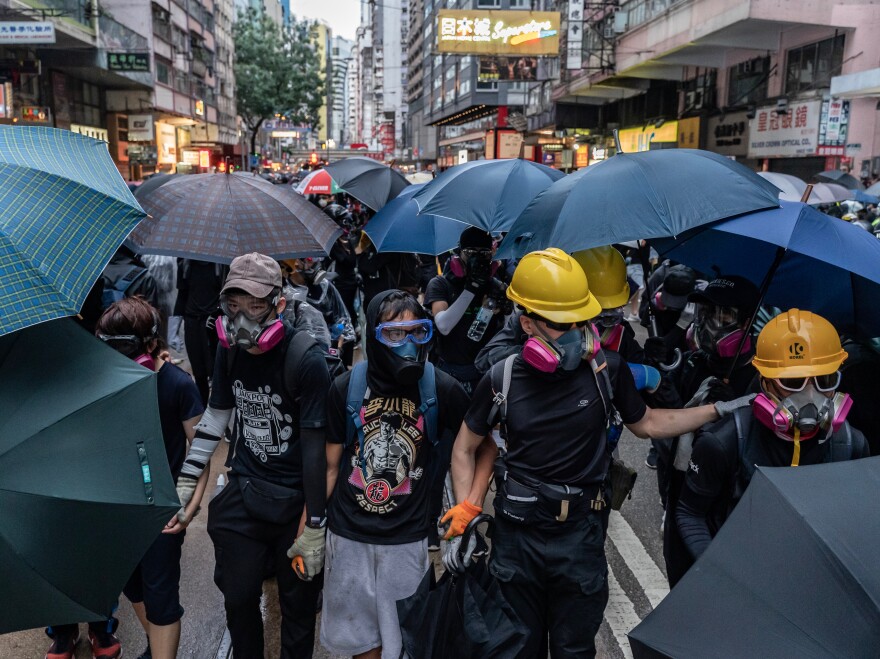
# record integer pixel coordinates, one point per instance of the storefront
(787, 139)
(658, 135)
(728, 135)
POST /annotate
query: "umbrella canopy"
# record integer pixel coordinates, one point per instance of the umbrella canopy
(369, 181)
(829, 193)
(152, 183)
(216, 217)
(64, 210)
(874, 189)
(84, 482)
(791, 188)
(637, 195)
(864, 197)
(486, 193)
(399, 228)
(790, 574)
(841, 178)
(317, 182)
(420, 177)
(822, 264)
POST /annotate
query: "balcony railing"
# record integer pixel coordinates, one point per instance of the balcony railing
(76, 10)
(642, 11)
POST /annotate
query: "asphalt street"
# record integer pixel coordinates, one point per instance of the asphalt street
(636, 580)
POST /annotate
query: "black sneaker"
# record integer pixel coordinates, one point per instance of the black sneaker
(433, 539)
(63, 646)
(651, 460)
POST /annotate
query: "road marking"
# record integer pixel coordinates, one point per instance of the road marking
(620, 614)
(643, 567)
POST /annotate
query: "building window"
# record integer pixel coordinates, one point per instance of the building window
(465, 61)
(163, 72)
(450, 72)
(520, 4)
(489, 4)
(464, 88)
(812, 66)
(518, 86)
(747, 82)
(487, 86)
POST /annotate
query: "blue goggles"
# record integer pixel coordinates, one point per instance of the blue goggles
(395, 334)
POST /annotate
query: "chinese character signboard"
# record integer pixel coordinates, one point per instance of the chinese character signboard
(19, 32)
(833, 127)
(574, 53)
(689, 133)
(728, 134)
(793, 134)
(498, 32)
(139, 62)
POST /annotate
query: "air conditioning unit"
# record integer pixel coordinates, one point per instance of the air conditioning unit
(608, 31)
(621, 22)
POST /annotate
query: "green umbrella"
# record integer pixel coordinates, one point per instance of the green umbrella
(84, 481)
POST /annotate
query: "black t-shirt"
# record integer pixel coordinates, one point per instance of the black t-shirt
(179, 400)
(556, 422)
(387, 501)
(203, 284)
(456, 347)
(267, 418)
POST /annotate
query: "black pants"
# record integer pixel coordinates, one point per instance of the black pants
(556, 579)
(242, 548)
(201, 348)
(675, 553)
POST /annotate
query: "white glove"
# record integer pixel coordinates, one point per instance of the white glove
(728, 407)
(453, 560)
(186, 486)
(687, 315)
(307, 552)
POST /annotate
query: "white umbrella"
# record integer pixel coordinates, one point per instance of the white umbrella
(829, 193)
(420, 177)
(791, 188)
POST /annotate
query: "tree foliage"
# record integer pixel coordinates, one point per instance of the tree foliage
(277, 71)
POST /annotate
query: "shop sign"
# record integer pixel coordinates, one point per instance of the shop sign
(498, 32)
(27, 32)
(574, 54)
(36, 114)
(200, 108)
(191, 158)
(204, 159)
(509, 142)
(90, 131)
(509, 69)
(599, 153)
(140, 128)
(689, 133)
(284, 134)
(6, 100)
(633, 140)
(833, 127)
(793, 134)
(462, 156)
(582, 156)
(137, 62)
(728, 134)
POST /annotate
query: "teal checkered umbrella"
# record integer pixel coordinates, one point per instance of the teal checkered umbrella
(64, 210)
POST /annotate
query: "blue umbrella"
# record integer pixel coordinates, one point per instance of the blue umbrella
(64, 209)
(637, 195)
(486, 193)
(866, 198)
(399, 228)
(804, 258)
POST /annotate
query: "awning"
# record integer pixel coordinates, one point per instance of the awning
(856, 85)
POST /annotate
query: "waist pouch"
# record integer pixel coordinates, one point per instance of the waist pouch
(269, 502)
(524, 501)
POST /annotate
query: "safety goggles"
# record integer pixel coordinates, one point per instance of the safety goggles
(559, 327)
(395, 334)
(716, 317)
(610, 317)
(823, 383)
(126, 344)
(257, 309)
(482, 254)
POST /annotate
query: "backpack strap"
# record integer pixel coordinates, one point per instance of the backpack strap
(498, 411)
(297, 348)
(354, 401)
(742, 418)
(428, 395)
(129, 278)
(841, 444)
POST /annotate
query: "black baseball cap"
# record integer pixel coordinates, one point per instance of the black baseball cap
(728, 291)
(678, 283)
(475, 238)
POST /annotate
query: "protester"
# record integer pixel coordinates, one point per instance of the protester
(797, 419)
(719, 369)
(383, 272)
(132, 327)
(381, 476)
(859, 380)
(275, 385)
(548, 549)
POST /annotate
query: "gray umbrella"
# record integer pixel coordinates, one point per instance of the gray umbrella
(841, 178)
(216, 217)
(369, 181)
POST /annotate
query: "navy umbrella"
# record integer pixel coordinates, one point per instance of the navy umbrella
(792, 573)
(399, 228)
(637, 195)
(841, 178)
(372, 183)
(486, 193)
(804, 258)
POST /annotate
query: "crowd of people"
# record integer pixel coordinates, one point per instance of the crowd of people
(350, 387)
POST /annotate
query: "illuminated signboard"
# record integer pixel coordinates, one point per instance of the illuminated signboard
(498, 32)
(641, 139)
(204, 159)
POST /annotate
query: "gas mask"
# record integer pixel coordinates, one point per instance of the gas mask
(609, 323)
(805, 412)
(247, 323)
(132, 347)
(717, 331)
(475, 261)
(565, 353)
(311, 271)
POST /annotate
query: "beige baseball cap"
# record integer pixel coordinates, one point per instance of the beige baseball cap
(254, 273)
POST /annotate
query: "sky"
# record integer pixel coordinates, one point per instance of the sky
(343, 16)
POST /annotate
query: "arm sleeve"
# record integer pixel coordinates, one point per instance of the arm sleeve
(313, 383)
(690, 516)
(314, 460)
(447, 319)
(209, 430)
(337, 415)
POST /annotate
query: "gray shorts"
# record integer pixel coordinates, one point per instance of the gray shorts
(362, 584)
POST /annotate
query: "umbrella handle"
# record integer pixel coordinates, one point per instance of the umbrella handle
(675, 362)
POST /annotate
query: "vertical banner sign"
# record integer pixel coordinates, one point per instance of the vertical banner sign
(833, 127)
(574, 53)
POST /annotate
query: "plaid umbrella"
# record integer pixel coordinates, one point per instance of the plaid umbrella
(216, 217)
(64, 209)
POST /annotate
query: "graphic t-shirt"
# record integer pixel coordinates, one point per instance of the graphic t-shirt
(382, 490)
(267, 418)
(179, 401)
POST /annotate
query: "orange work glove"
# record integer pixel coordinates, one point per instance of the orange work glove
(459, 517)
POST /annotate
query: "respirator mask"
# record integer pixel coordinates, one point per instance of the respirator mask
(717, 331)
(609, 323)
(248, 322)
(565, 353)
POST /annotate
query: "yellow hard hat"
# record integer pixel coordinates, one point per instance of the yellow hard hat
(606, 272)
(798, 344)
(552, 285)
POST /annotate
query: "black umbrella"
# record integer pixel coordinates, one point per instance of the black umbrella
(150, 184)
(841, 178)
(793, 573)
(462, 616)
(367, 180)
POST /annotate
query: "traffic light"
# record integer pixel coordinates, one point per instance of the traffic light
(221, 167)
(313, 158)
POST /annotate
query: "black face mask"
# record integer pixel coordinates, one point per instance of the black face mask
(388, 372)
